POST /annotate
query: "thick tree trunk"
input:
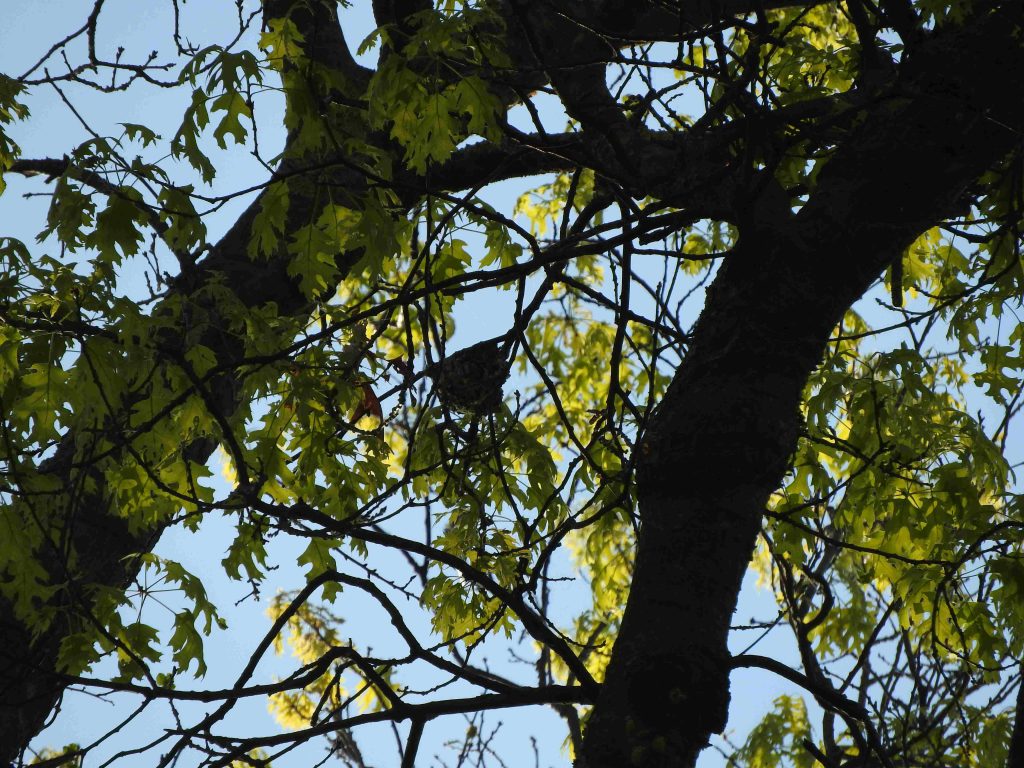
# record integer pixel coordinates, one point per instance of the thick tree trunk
(719, 442)
(30, 685)
(1015, 755)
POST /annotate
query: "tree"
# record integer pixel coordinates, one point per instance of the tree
(793, 157)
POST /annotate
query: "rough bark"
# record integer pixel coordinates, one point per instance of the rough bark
(1015, 756)
(719, 442)
(29, 684)
(30, 687)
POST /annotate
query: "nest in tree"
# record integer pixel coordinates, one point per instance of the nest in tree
(471, 379)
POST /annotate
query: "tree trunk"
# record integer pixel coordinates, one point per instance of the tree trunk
(720, 441)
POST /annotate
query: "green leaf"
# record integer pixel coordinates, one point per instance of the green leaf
(137, 132)
(235, 108)
(268, 226)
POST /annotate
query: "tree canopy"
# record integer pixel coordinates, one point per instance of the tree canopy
(539, 325)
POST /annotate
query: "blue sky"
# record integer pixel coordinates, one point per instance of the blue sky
(52, 130)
